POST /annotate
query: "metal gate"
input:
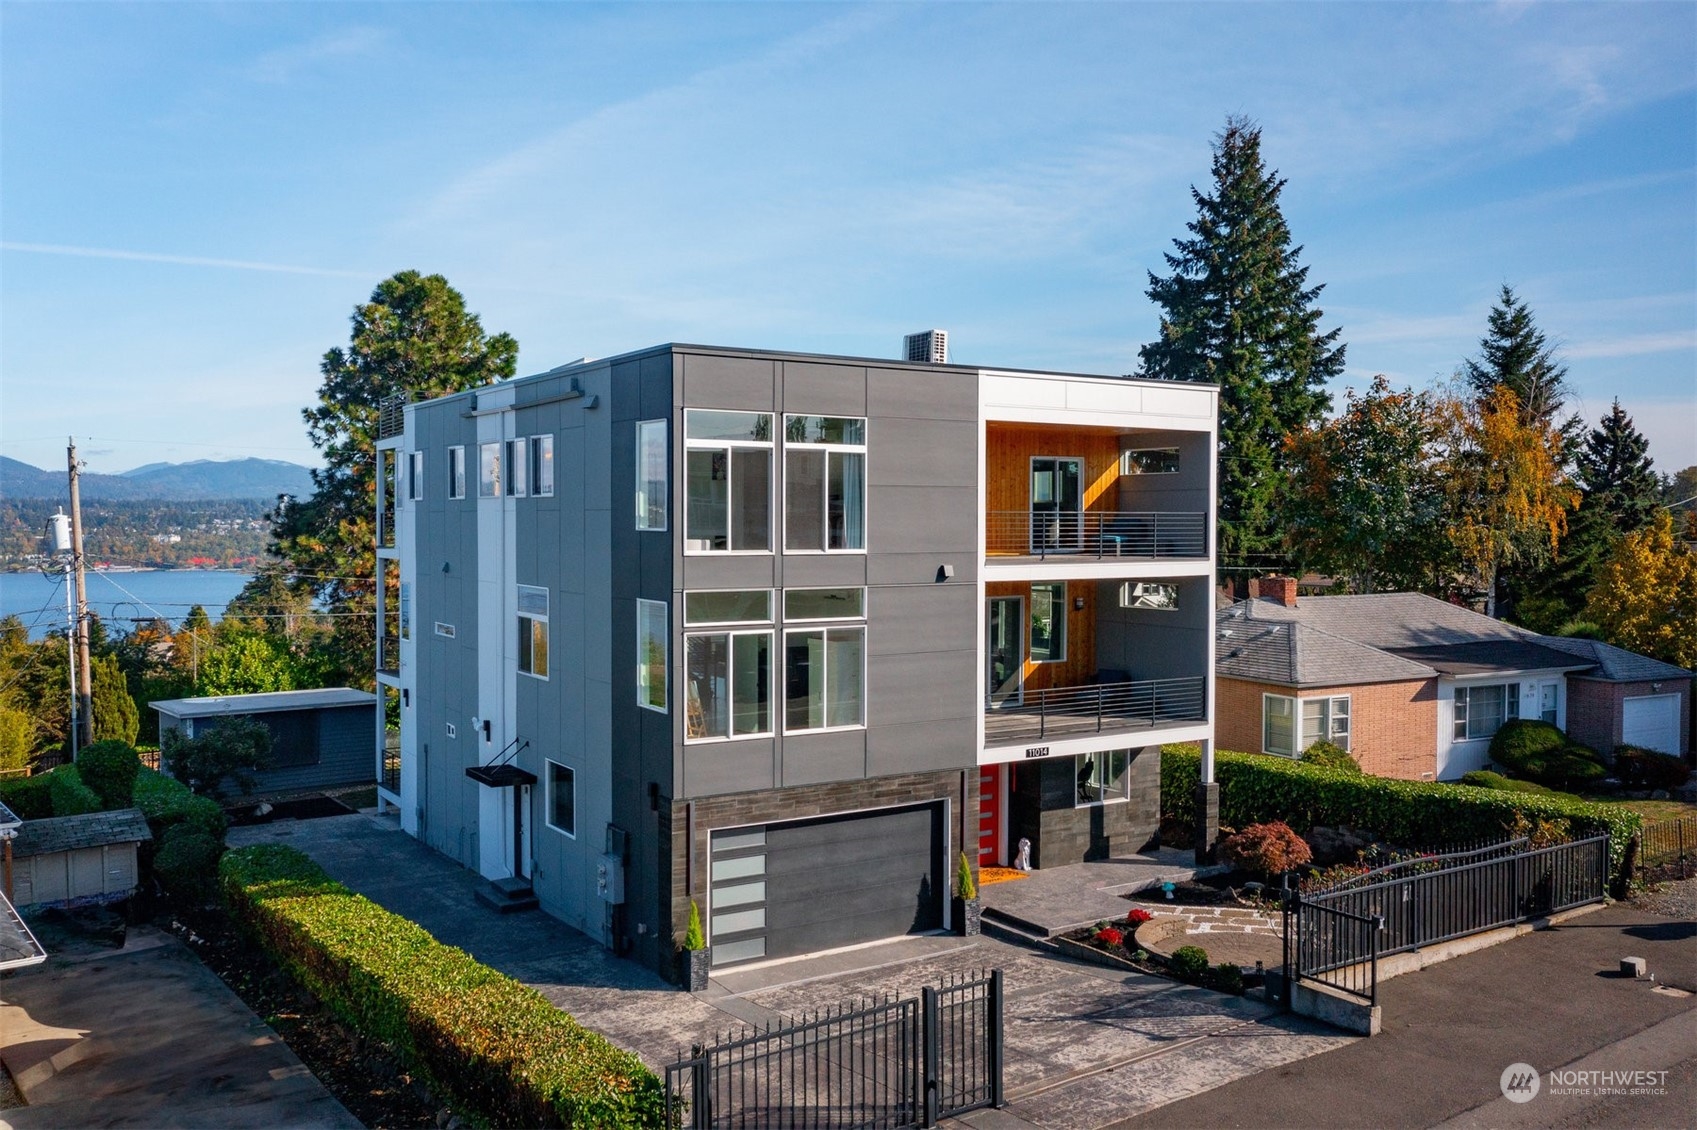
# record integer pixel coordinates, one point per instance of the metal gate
(887, 1064)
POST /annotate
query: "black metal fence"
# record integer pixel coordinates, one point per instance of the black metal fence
(1337, 936)
(1669, 843)
(886, 1064)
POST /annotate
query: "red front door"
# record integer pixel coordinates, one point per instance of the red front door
(990, 815)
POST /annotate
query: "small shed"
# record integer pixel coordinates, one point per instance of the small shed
(320, 738)
(77, 860)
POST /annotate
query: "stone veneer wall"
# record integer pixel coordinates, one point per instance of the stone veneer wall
(1042, 808)
(1393, 726)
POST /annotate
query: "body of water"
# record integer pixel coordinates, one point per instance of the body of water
(39, 599)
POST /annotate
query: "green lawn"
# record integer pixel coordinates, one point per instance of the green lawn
(1650, 810)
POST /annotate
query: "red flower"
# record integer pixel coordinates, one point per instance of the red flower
(1138, 917)
(1109, 936)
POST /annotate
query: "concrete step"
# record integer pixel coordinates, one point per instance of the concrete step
(504, 897)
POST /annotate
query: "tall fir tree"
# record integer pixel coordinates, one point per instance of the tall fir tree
(1619, 495)
(1515, 352)
(1237, 310)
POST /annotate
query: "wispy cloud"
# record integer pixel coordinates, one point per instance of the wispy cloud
(283, 63)
(1631, 345)
(178, 260)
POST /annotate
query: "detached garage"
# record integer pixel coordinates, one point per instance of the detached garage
(778, 890)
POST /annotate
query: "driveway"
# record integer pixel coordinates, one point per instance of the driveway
(1085, 1045)
(1550, 1000)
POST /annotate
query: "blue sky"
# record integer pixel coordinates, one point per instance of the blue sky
(194, 197)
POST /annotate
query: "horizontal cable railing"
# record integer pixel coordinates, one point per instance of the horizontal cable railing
(1042, 713)
(1096, 533)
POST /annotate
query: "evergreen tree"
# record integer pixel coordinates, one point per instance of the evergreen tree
(115, 714)
(1237, 310)
(1514, 352)
(414, 338)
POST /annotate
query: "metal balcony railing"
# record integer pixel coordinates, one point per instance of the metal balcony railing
(389, 655)
(1096, 533)
(1079, 710)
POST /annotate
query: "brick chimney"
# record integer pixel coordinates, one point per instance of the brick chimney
(1274, 587)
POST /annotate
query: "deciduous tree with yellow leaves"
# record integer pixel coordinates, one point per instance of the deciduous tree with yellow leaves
(1645, 598)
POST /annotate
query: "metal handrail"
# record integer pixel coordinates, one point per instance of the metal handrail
(1106, 707)
(1096, 533)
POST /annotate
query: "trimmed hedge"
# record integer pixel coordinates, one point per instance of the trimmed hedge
(70, 796)
(109, 768)
(29, 798)
(1256, 788)
(497, 1048)
(1485, 779)
(167, 802)
(1535, 750)
(1647, 769)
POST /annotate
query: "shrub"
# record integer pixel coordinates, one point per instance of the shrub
(231, 750)
(1267, 849)
(1485, 779)
(964, 885)
(70, 796)
(1228, 977)
(29, 798)
(494, 1047)
(1519, 740)
(1647, 769)
(1138, 917)
(1256, 788)
(1109, 936)
(110, 768)
(1329, 756)
(166, 803)
(694, 939)
(1189, 962)
(186, 864)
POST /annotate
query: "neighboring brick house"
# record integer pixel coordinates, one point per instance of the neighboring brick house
(1414, 687)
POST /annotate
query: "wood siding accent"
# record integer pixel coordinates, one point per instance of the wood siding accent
(1009, 448)
(1079, 666)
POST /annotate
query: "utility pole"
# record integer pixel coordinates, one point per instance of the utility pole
(83, 728)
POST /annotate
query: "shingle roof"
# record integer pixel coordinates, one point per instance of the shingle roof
(1297, 655)
(68, 833)
(216, 706)
(1381, 637)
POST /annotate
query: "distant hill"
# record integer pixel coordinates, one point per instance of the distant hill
(200, 479)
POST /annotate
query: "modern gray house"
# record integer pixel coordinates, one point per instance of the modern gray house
(781, 634)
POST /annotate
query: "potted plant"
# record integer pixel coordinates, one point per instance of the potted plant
(966, 905)
(696, 957)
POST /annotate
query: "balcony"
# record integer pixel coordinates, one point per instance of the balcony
(1074, 711)
(389, 655)
(1096, 534)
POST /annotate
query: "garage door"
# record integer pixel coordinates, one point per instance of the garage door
(1652, 722)
(801, 886)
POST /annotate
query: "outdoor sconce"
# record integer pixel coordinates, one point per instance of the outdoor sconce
(944, 573)
(444, 566)
(406, 697)
(1078, 604)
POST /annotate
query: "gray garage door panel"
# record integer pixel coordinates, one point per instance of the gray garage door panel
(837, 881)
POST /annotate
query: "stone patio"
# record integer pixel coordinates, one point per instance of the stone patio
(1055, 900)
(1229, 933)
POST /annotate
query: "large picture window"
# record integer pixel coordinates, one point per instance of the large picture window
(824, 483)
(1049, 623)
(1104, 777)
(562, 799)
(1290, 725)
(651, 654)
(727, 671)
(728, 496)
(653, 485)
(824, 666)
(1481, 711)
(533, 630)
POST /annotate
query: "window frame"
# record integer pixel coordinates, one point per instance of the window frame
(1329, 720)
(826, 628)
(704, 624)
(456, 471)
(415, 476)
(644, 688)
(1125, 778)
(856, 617)
(489, 469)
(772, 703)
(1461, 710)
(1128, 462)
(541, 455)
(1294, 714)
(534, 619)
(1130, 595)
(646, 507)
(548, 801)
(517, 477)
(1058, 626)
(828, 450)
(730, 447)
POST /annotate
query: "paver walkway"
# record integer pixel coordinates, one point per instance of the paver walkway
(1057, 899)
(148, 1036)
(1085, 1045)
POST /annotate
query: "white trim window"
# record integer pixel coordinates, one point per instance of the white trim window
(728, 670)
(1104, 778)
(653, 484)
(1480, 711)
(518, 467)
(456, 472)
(824, 484)
(1321, 719)
(561, 812)
(1149, 594)
(1149, 461)
(533, 630)
(824, 666)
(542, 466)
(415, 476)
(1049, 622)
(651, 654)
(489, 470)
(728, 481)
